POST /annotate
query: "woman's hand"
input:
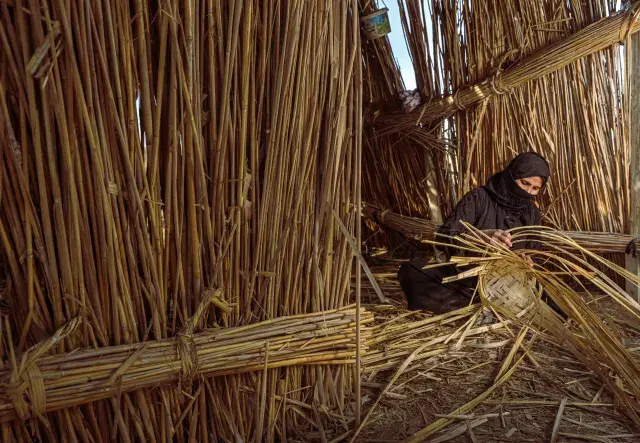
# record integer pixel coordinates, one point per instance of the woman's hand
(499, 237)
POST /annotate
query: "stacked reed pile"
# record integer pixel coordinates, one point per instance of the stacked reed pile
(575, 115)
(154, 149)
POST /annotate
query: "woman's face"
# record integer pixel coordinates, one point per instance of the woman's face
(531, 184)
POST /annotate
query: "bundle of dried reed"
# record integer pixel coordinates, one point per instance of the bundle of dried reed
(82, 376)
(598, 36)
(412, 227)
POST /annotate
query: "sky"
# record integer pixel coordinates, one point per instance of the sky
(398, 44)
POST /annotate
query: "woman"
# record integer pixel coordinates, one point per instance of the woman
(506, 202)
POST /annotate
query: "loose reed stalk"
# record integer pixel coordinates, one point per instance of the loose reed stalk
(592, 341)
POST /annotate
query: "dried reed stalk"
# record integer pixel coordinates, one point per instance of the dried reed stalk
(591, 340)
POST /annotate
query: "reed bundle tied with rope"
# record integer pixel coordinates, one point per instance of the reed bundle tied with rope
(595, 37)
(426, 230)
(34, 384)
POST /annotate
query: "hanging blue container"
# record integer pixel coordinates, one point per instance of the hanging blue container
(376, 25)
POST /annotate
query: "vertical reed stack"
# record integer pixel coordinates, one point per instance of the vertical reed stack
(153, 150)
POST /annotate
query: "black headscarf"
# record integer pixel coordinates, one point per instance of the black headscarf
(502, 187)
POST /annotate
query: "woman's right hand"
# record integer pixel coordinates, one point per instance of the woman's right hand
(499, 237)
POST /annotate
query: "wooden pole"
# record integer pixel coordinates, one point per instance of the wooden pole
(633, 264)
(358, 81)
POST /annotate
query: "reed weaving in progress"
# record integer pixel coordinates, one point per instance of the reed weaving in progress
(504, 203)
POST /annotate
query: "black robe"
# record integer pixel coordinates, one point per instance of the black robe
(480, 209)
